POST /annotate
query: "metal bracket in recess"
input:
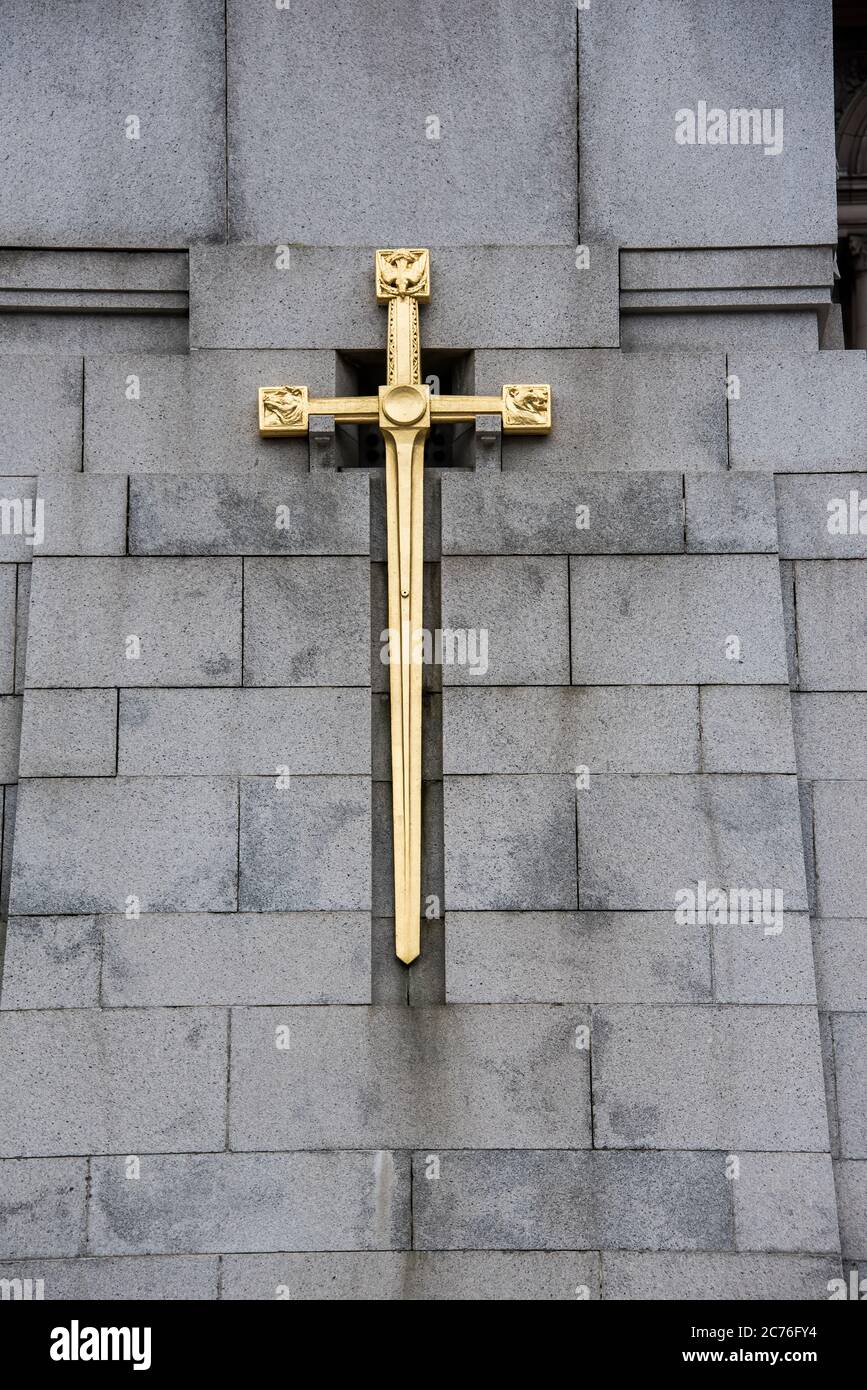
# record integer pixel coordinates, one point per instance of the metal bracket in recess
(321, 436)
(489, 438)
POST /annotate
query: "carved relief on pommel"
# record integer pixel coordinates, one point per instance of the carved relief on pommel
(404, 273)
(283, 410)
(527, 409)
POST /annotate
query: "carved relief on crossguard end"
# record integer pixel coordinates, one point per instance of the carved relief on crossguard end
(527, 409)
(283, 410)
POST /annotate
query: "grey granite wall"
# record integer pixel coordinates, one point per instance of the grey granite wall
(215, 1080)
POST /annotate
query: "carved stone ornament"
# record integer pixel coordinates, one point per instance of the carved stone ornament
(283, 408)
(402, 273)
(527, 408)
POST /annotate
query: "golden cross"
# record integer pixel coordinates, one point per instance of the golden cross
(403, 410)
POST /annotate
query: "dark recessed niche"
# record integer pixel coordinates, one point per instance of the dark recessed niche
(447, 373)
